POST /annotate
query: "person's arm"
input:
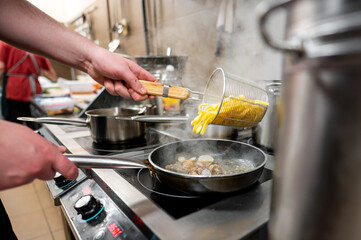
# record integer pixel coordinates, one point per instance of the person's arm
(55, 41)
(25, 155)
(2, 68)
(47, 70)
(50, 74)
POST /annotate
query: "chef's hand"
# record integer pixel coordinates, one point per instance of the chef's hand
(25, 155)
(112, 71)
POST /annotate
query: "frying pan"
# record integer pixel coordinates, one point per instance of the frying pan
(234, 151)
(107, 125)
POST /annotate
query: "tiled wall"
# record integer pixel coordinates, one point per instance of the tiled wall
(189, 27)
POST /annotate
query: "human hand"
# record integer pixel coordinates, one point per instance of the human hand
(112, 71)
(25, 155)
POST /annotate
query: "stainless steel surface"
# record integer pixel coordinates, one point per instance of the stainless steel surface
(265, 133)
(105, 127)
(160, 119)
(108, 125)
(53, 120)
(265, 9)
(316, 191)
(220, 132)
(223, 220)
(106, 224)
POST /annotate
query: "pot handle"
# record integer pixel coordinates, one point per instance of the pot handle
(95, 161)
(264, 9)
(160, 119)
(58, 121)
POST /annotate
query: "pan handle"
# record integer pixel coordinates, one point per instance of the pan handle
(94, 161)
(160, 119)
(51, 120)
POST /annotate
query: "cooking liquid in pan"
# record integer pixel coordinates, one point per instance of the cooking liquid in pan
(207, 165)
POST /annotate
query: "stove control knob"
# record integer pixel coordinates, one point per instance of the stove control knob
(88, 207)
(60, 181)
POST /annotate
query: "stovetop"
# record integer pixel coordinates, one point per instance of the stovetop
(167, 198)
(163, 211)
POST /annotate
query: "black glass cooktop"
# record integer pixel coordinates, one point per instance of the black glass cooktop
(150, 140)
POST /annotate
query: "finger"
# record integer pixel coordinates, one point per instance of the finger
(65, 167)
(109, 86)
(136, 96)
(140, 72)
(121, 90)
(132, 82)
(47, 174)
(62, 149)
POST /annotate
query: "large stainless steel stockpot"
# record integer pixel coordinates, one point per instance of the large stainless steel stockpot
(317, 178)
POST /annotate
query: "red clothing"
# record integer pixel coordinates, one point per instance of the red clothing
(18, 87)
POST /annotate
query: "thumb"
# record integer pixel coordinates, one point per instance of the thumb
(64, 166)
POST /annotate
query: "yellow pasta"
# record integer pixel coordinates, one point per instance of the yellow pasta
(235, 111)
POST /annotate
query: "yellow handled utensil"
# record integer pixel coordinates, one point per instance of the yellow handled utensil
(170, 91)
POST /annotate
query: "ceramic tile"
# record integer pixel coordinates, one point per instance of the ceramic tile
(14, 192)
(53, 217)
(30, 226)
(59, 235)
(45, 199)
(47, 236)
(18, 204)
(40, 185)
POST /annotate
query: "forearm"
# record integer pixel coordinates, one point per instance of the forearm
(26, 27)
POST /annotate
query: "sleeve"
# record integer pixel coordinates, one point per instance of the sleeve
(45, 64)
(3, 51)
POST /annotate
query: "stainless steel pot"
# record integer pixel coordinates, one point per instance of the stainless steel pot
(265, 133)
(316, 191)
(194, 184)
(108, 125)
(220, 132)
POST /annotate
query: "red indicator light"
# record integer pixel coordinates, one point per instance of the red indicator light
(138, 220)
(115, 229)
(86, 190)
